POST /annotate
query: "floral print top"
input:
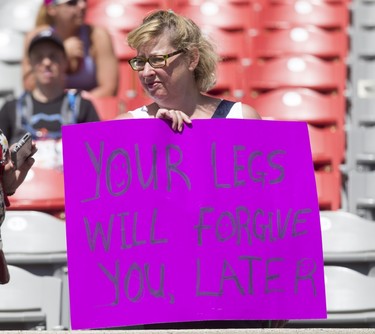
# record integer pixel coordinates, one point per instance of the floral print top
(3, 152)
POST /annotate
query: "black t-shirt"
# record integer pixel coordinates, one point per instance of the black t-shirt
(86, 113)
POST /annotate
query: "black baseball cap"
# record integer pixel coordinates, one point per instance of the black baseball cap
(47, 35)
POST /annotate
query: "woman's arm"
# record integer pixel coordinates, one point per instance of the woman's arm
(249, 112)
(106, 64)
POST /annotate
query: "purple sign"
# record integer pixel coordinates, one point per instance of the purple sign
(220, 222)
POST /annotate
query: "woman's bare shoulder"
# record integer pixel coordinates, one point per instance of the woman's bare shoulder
(249, 112)
(125, 115)
(98, 32)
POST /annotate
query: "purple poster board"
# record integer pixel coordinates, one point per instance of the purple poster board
(220, 222)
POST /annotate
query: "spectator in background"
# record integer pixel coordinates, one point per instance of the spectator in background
(44, 110)
(10, 179)
(92, 63)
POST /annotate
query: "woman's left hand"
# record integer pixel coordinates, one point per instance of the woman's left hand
(13, 177)
(177, 117)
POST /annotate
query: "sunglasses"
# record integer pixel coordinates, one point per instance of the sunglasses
(69, 2)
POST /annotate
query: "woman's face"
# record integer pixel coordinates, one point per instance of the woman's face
(70, 12)
(169, 82)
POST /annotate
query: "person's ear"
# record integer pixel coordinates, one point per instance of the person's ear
(194, 58)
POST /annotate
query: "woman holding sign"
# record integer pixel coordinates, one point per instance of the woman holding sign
(10, 179)
(176, 65)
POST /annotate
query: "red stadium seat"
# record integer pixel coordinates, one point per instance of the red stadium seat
(318, 13)
(302, 104)
(327, 147)
(195, 2)
(147, 3)
(130, 91)
(297, 71)
(301, 40)
(108, 107)
(229, 83)
(43, 190)
(230, 45)
(122, 50)
(328, 185)
(129, 85)
(323, 1)
(325, 115)
(218, 14)
(116, 15)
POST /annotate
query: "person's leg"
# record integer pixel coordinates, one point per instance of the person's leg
(4, 273)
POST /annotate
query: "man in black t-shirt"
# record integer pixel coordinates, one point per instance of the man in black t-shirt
(45, 109)
(49, 106)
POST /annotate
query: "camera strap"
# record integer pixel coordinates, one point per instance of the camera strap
(26, 119)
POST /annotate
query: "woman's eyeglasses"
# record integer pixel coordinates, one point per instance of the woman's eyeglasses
(156, 61)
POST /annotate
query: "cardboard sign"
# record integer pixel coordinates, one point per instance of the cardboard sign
(220, 222)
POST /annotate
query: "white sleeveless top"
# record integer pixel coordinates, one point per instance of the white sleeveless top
(235, 112)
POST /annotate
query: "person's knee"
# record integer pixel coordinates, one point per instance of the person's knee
(4, 273)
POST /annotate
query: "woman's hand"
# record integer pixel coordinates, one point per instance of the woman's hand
(13, 177)
(177, 117)
(75, 52)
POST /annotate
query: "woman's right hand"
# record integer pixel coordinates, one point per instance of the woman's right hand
(177, 117)
(74, 51)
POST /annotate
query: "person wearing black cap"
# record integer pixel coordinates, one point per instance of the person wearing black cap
(44, 110)
(47, 35)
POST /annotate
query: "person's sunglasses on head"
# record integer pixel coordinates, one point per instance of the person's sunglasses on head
(64, 2)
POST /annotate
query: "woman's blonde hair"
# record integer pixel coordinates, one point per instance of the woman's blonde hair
(42, 17)
(183, 33)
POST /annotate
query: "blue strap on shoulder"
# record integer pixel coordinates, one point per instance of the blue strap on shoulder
(223, 109)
